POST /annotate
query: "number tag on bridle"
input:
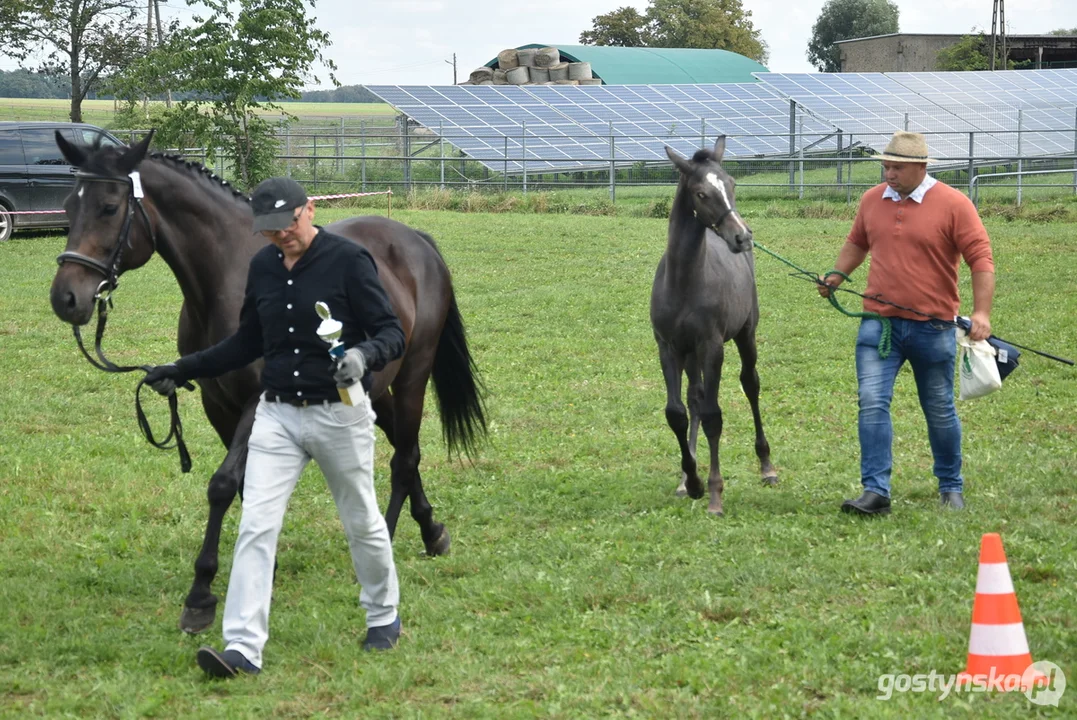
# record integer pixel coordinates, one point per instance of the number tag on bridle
(136, 184)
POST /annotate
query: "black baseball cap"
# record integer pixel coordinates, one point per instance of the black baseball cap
(274, 201)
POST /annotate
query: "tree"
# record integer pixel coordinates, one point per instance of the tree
(971, 52)
(226, 63)
(1064, 31)
(721, 24)
(624, 27)
(84, 40)
(844, 20)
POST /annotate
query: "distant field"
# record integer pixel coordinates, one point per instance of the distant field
(101, 112)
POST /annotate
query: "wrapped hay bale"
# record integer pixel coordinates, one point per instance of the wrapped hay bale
(559, 71)
(507, 59)
(566, 82)
(487, 82)
(518, 75)
(499, 77)
(547, 56)
(478, 75)
(539, 74)
(579, 70)
(526, 57)
(591, 81)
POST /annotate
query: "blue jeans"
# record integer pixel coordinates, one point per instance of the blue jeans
(931, 349)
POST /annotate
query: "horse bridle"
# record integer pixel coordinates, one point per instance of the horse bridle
(103, 296)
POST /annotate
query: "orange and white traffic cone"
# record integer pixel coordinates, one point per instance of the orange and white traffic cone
(998, 648)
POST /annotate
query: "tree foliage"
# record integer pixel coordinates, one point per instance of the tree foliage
(1064, 31)
(845, 20)
(234, 65)
(84, 40)
(718, 24)
(971, 52)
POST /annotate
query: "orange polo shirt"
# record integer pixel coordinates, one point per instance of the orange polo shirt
(915, 248)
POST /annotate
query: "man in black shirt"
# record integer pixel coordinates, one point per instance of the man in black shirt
(300, 415)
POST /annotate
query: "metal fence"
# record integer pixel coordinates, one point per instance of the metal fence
(343, 155)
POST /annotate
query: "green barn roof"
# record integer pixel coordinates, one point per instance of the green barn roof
(657, 66)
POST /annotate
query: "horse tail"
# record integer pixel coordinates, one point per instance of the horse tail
(457, 386)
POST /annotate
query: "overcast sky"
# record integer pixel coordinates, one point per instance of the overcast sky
(407, 42)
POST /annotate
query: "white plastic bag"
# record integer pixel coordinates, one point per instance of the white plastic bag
(977, 367)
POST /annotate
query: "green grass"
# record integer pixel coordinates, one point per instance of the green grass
(578, 584)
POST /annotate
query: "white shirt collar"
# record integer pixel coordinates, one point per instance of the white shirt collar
(917, 194)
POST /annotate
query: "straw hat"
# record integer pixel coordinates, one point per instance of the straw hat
(907, 147)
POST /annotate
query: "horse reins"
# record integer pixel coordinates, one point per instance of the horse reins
(103, 297)
(803, 274)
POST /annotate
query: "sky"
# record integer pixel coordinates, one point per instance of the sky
(412, 42)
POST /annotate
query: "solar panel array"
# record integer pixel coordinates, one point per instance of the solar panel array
(947, 106)
(556, 127)
(569, 127)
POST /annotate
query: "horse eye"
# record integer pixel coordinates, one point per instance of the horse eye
(701, 195)
(109, 210)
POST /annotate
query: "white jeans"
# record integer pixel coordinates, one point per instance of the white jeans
(340, 438)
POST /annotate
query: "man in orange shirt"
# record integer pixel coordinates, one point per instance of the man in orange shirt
(916, 229)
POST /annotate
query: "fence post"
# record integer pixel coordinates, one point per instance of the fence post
(340, 148)
(1020, 159)
(362, 151)
(523, 151)
(505, 174)
(972, 159)
(849, 174)
(839, 158)
(792, 142)
(441, 150)
(407, 154)
(315, 173)
(703, 132)
(613, 167)
(906, 122)
(800, 133)
(1075, 153)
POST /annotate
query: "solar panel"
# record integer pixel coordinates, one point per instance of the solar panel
(947, 106)
(570, 127)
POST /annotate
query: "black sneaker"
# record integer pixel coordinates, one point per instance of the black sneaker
(383, 638)
(225, 665)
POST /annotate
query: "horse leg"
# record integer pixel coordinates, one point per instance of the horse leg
(695, 402)
(410, 394)
(749, 380)
(711, 418)
(677, 418)
(384, 410)
(200, 607)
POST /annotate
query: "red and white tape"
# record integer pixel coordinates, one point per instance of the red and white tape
(29, 212)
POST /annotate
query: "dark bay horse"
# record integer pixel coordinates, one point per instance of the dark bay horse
(704, 295)
(201, 227)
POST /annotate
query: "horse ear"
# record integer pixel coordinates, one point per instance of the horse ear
(719, 148)
(679, 162)
(134, 154)
(71, 152)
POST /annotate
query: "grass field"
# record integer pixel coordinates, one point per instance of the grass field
(101, 112)
(578, 585)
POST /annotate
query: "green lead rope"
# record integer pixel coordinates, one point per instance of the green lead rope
(884, 338)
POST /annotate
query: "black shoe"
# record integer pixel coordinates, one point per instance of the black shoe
(952, 500)
(225, 665)
(383, 638)
(867, 504)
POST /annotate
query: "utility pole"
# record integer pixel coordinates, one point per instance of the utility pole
(453, 63)
(998, 32)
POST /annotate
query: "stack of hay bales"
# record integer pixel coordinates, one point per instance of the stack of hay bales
(533, 67)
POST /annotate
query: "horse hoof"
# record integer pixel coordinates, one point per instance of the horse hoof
(439, 546)
(770, 480)
(694, 490)
(715, 513)
(195, 620)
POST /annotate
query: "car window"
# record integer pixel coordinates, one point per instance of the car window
(87, 136)
(39, 144)
(11, 148)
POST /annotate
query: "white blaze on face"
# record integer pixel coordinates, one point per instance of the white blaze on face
(712, 178)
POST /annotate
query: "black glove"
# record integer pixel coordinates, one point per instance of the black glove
(350, 369)
(164, 378)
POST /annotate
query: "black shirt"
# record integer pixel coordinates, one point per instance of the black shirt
(278, 320)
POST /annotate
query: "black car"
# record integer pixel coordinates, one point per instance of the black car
(34, 175)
